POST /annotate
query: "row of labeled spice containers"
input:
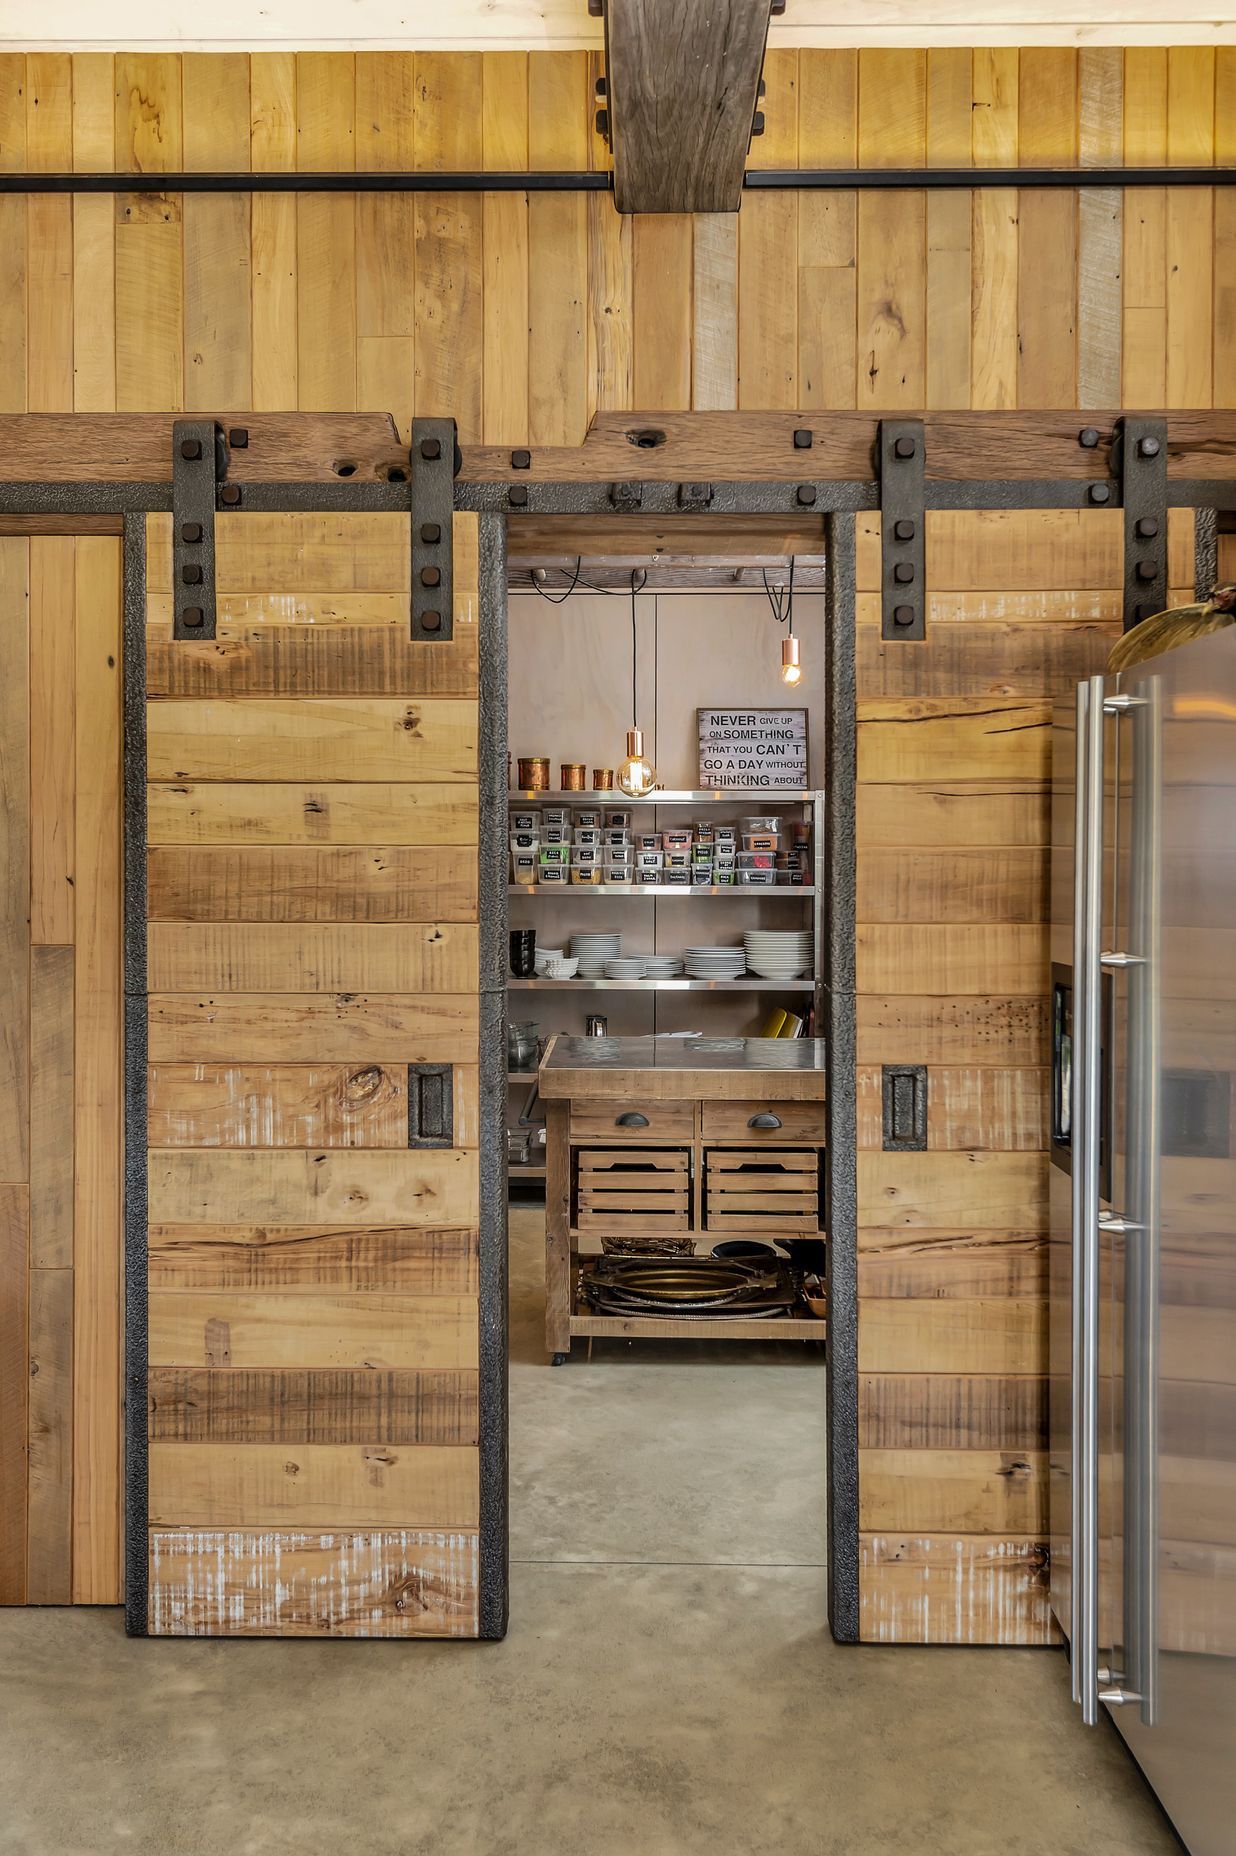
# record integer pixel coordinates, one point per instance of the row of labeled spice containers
(557, 845)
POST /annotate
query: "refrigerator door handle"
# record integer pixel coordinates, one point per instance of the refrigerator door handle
(1087, 1108)
(1142, 1197)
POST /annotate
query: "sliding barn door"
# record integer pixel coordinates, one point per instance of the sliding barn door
(953, 963)
(60, 1074)
(313, 1019)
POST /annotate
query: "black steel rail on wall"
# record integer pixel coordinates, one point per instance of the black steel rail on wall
(756, 180)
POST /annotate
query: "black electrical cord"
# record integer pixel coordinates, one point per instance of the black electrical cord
(639, 579)
(567, 591)
(781, 598)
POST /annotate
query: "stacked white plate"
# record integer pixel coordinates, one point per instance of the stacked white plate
(592, 951)
(663, 966)
(630, 969)
(777, 954)
(715, 963)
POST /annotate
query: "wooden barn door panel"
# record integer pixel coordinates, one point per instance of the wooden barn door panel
(60, 1070)
(312, 818)
(952, 962)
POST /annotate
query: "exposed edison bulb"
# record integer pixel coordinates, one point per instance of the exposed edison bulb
(635, 775)
(791, 668)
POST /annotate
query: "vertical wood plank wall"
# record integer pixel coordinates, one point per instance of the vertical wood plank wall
(60, 1075)
(520, 316)
(954, 740)
(312, 905)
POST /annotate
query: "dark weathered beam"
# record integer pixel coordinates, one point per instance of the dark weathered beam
(355, 460)
(682, 81)
(265, 447)
(962, 447)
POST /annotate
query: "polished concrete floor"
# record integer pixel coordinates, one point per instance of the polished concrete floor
(668, 1687)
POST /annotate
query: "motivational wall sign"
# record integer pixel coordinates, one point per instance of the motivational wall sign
(753, 747)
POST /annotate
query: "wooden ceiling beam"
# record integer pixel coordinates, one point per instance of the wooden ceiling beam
(682, 81)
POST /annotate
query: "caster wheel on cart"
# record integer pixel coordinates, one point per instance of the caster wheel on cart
(560, 1359)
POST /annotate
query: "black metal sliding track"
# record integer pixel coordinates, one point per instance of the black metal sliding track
(836, 180)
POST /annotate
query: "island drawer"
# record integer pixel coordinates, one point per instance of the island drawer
(632, 1121)
(763, 1123)
(624, 1190)
(762, 1190)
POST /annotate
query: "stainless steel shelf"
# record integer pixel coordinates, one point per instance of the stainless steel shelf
(657, 892)
(712, 796)
(684, 985)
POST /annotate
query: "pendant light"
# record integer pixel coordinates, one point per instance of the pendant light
(635, 774)
(791, 667)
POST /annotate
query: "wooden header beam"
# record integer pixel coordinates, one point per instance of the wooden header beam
(682, 81)
(353, 451)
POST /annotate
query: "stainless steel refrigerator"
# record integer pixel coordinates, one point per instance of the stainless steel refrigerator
(1143, 1220)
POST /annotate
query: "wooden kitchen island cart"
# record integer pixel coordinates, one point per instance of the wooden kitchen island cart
(707, 1138)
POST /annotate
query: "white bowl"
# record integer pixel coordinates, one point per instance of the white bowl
(561, 969)
(544, 955)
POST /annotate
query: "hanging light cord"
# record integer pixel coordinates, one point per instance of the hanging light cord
(639, 579)
(556, 599)
(781, 598)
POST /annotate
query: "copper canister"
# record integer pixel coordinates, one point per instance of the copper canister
(602, 779)
(574, 773)
(534, 774)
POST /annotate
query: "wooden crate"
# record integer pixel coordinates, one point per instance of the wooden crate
(629, 1190)
(762, 1190)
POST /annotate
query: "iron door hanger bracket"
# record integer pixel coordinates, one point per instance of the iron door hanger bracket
(900, 460)
(199, 466)
(1139, 460)
(435, 465)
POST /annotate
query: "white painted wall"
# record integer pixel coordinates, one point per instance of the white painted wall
(498, 25)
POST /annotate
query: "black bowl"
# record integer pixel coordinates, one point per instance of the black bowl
(745, 1247)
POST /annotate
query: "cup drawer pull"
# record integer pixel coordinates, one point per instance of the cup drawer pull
(632, 1120)
(764, 1121)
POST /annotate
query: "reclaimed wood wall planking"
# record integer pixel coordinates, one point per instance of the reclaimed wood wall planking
(952, 936)
(285, 1105)
(313, 1312)
(233, 1328)
(244, 1583)
(321, 1406)
(324, 738)
(59, 1041)
(961, 1588)
(516, 314)
(332, 1028)
(429, 1260)
(245, 813)
(314, 957)
(331, 1486)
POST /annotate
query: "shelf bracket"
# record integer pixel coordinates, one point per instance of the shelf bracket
(435, 465)
(901, 469)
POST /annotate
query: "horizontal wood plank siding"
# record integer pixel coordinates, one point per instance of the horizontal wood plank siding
(953, 963)
(313, 933)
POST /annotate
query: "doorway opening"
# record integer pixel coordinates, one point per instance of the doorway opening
(650, 934)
